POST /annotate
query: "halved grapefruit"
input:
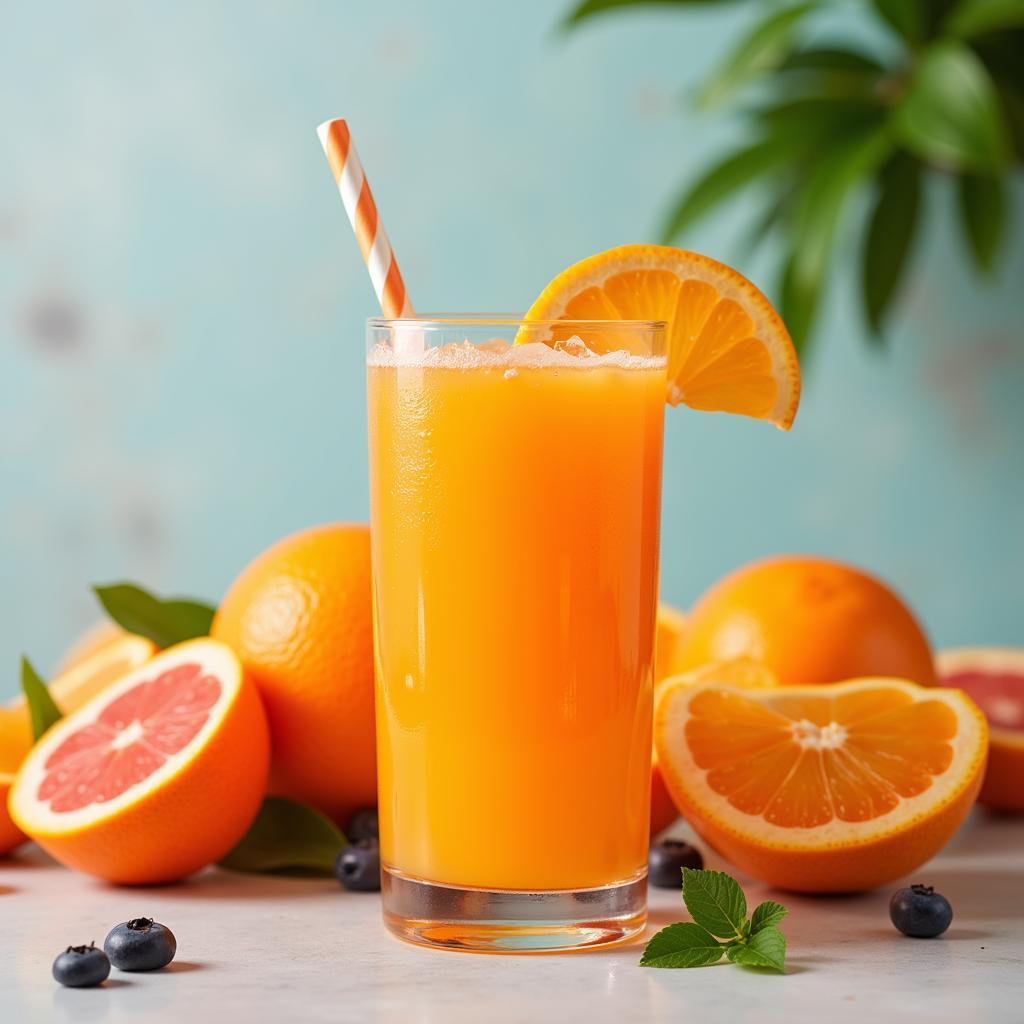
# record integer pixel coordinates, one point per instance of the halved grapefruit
(155, 777)
(994, 678)
(823, 788)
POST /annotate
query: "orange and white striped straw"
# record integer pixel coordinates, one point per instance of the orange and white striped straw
(362, 212)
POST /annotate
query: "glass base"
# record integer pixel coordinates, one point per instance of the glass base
(507, 921)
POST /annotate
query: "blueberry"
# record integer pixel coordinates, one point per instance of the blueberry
(140, 945)
(358, 866)
(666, 860)
(920, 911)
(362, 825)
(81, 966)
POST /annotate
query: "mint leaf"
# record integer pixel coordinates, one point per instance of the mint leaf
(42, 708)
(164, 622)
(287, 836)
(767, 915)
(766, 948)
(682, 945)
(715, 901)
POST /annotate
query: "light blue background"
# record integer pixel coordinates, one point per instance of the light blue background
(161, 183)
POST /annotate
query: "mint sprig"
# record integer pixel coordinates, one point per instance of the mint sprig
(720, 927)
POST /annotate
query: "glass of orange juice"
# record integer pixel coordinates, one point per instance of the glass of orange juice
(515, 488)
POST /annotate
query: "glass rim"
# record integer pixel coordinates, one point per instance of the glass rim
(447, 320)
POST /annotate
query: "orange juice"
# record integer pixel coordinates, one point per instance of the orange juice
(515, 499)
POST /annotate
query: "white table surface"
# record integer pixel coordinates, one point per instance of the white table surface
(260, 949)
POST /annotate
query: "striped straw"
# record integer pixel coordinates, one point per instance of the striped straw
(362, 212)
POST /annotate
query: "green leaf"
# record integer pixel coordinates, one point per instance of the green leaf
(42, 708)
(682, 945)
(763, 49)
(722, 180)
(890, 234)
(766, 948)
(977, 17)
(816, 220)
(766, 915)
(983, 215)
(831, 58)
(286, 836)
(815, 120)
(164, 622)
(715, 901)
(905, 17)
(950, 115)
(588, 8)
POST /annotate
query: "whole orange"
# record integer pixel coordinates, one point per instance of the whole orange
(300, 619)
(809, 620)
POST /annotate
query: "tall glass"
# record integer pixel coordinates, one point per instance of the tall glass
(515, 498)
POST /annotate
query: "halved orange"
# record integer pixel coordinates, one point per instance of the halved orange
(823, 788)
(155, 777)
(994, 677)
(741, 672)
(728, 350)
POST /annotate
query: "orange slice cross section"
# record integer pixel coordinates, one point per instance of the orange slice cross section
(728, 350)
(822, 788)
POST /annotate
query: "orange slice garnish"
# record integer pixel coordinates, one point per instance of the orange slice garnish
(728, 350)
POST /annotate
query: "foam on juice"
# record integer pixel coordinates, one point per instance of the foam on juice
(571, 353)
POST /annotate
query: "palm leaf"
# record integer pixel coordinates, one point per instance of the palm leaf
(831, 58)
(588, 8)
(907, 18)
(763, 49)
(951, 115)
(890, 234)
(722, 180)
(973, 18)
(983, 217)
(817, 219)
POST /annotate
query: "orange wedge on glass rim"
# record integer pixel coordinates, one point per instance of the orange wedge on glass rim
(728, 350)
(830, 788)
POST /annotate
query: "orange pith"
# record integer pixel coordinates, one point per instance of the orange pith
(156, 776)
(994, 677)
(822, 788)
(728, 350)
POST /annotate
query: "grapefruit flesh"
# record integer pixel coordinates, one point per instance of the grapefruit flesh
(156, 776)
(994, 679)
(832, 788)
